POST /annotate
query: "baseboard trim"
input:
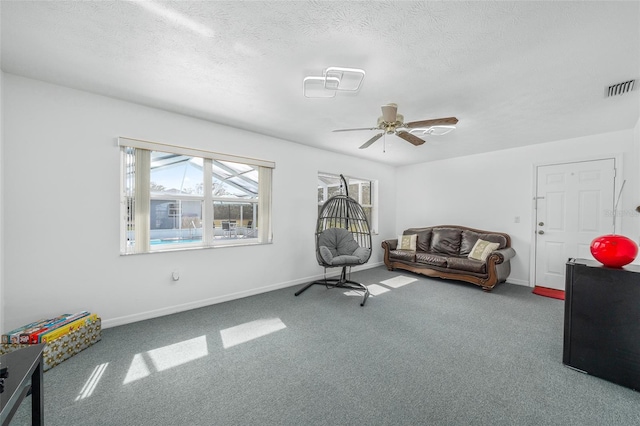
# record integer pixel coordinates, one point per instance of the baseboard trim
(128, 319)
(518, 282)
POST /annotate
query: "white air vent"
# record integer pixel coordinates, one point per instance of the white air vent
(620, 88)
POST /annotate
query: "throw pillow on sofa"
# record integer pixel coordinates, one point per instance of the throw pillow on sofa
(481, 250)
(407, 242)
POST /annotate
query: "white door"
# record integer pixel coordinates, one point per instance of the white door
(574, 205)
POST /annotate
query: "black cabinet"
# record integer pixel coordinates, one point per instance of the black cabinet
(602, 321)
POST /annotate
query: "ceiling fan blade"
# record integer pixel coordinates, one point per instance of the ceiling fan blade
(350, 130)
(372, 140)
(448, 121)
(410, 138)
(390, 113)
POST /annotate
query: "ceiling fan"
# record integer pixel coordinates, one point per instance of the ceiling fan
(393, 123)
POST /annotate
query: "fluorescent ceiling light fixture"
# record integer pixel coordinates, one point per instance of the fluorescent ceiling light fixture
(334, 79)
(433, 130)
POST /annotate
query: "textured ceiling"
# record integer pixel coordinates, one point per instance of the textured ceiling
(513, 73)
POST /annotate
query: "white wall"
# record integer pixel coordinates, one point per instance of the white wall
(487, 191)
(62, 210)
(2, 310)
(635, 199)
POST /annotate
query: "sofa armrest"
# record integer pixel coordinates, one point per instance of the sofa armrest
(390, 244)
(387, 246)
(502, 255)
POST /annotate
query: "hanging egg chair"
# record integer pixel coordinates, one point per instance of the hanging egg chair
(343, 240)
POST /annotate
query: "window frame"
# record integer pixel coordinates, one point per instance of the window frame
(129, 199)
(373, 195)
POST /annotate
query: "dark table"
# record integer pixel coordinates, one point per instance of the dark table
(25, 374)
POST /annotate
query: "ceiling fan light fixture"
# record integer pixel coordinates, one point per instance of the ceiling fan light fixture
(392, 123)
(390, 113)
(433, 130)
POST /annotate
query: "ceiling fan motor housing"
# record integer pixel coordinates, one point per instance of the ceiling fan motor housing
(390, 126)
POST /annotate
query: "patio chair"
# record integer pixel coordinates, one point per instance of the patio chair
(250, 230)
(228, 228)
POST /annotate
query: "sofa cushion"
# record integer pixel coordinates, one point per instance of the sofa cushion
(466, 264)
(407, 242)
(431, 259)
(481, 250)
(446, 241)
(423, 242)
(407, 256)
(469, 239)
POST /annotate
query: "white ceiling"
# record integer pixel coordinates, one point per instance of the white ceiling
(513, 73)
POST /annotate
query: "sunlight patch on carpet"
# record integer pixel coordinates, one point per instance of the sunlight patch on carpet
(166, 357)
(137, 370)
(243, 333)
(179, 353)
(374, 290)
(92, 382)
(398, 281)
(356, 293)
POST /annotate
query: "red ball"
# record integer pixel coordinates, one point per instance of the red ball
(614, 251)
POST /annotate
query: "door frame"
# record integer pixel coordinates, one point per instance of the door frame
(617, 183)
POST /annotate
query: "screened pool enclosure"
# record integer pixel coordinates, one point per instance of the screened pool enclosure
(178, 201)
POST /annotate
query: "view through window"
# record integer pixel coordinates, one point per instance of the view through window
(176, 199)
(360, 189)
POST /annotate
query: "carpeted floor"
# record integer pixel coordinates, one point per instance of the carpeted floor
(421, 352)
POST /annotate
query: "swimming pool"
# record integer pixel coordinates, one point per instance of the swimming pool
(175, 241)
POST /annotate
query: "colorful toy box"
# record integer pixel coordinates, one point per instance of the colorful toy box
(64, 341)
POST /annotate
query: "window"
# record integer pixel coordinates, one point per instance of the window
(364, 191)
(177, 198)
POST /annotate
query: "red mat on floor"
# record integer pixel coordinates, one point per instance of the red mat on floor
(548, 292)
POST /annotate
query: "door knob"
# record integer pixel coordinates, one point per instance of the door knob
(541, 232)
(541, 223)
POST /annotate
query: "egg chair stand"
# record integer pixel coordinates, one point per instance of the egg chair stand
(341, 282)
(343, 239)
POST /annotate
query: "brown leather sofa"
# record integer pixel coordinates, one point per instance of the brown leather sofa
(443, 251)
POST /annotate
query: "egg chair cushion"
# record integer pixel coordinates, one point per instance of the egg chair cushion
(338, 248)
